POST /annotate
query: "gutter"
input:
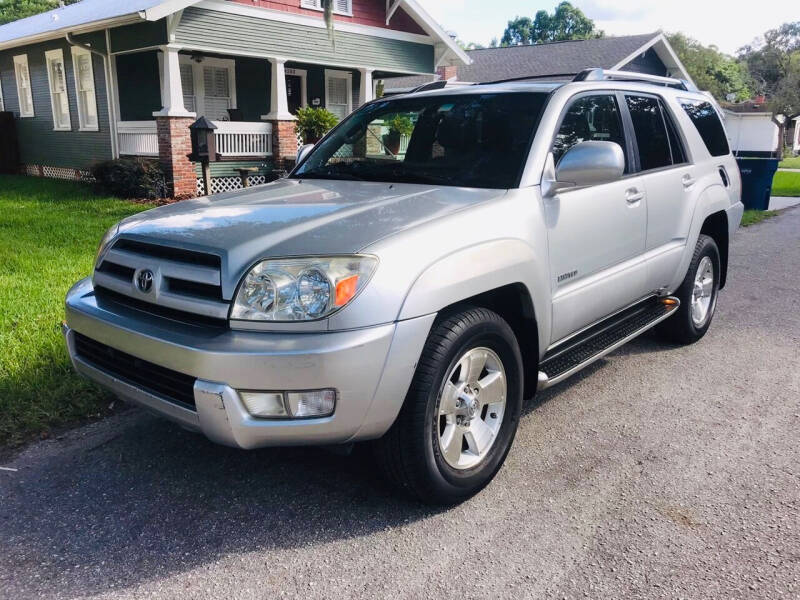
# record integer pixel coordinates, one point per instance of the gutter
(110, 91)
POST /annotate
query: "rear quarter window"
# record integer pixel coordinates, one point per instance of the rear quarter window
(708, 125)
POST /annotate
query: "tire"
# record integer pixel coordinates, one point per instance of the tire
(421, 453)
(684, 327)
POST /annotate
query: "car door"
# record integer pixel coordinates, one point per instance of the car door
(669, 180)
(596, 234)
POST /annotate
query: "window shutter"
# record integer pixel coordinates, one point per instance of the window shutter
(217, 92)
(187, 86)
(310, 3)
(85, 79)
(342, 6)
(337, 96)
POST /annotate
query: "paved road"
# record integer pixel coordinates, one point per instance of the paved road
(661, 472)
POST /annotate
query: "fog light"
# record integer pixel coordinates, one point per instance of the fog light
(265, 405)
(319, 403)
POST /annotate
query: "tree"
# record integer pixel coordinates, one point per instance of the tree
(566, 23)
(774, 65)
(11, 10)
(718, 73)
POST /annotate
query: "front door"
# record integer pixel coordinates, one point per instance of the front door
(596, 235)
(294, 92)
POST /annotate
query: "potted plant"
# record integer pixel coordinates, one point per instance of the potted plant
(399, 125)
(313, 123)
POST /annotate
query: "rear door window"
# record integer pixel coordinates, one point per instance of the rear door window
(590, 118)
(651, 132)
(708, 125)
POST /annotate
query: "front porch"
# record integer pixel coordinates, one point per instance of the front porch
(250, 100)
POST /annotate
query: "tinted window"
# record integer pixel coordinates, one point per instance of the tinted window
(590, 118)
(706, 119)
(651, 132)
(470, 140)
(675, 144)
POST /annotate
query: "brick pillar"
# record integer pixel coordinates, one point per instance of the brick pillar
(284, 144)
(174, 144)
(447, 72)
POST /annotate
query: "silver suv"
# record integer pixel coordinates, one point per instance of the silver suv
(435, 259)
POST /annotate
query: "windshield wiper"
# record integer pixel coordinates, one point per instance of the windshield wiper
(331, 176)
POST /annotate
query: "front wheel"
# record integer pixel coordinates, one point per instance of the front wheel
(461, 413)
(698, 296)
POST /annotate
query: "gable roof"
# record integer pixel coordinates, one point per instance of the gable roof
(88, 15)
(556, 60)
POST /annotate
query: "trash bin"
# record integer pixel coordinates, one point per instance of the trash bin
(757, 174)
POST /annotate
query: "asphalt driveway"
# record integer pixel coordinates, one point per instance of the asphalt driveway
(659, 472)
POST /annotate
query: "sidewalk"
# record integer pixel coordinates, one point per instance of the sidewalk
(781, 202)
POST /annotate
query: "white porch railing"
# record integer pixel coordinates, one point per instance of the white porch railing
(243, 139)
(137, 138)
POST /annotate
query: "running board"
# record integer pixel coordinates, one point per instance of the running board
(603, 338)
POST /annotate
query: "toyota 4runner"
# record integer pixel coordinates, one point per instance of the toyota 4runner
(411, 292)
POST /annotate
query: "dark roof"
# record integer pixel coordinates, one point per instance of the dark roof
(540, 60)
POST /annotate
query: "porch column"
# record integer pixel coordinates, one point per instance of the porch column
(796, 144)
(284, 146)
(367, 90)
(172, 123)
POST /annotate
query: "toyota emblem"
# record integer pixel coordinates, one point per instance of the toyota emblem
(144, 281)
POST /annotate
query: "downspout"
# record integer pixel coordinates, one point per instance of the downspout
(112, 116)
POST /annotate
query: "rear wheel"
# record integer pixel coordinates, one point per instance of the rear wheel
(461, 413)
(698, 296)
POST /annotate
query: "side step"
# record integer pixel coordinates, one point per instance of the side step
(601, 339)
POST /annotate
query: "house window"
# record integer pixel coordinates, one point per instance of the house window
(83, 72)
(343, 7)
(23, 77)
(208, 86)
(57, 78)
(339, 92)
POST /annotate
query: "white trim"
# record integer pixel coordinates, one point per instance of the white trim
(165, 9)
(270, 14)
(2, 101)
(60, 33)
(390, 10)
(171, 92)
(19, 60)
(308, 61)
(366, 91)
(173, 21)
(303, 75)
(112, 94)
(666, 46)
(52, 56)
(416, 12)
(278, 100)
(348, 77)
(336, 12)
(77, 52)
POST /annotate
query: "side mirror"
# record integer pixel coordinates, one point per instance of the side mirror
(589, 163)
(303, 152)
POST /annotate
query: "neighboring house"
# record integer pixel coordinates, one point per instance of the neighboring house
(649, 53)
(753, 130)
(106, 78)
(795, 135)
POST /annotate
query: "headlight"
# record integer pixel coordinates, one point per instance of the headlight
(301, 289)
(105, 243)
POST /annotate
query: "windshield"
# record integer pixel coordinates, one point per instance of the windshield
(470, 140)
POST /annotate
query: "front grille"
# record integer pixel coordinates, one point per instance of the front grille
(166, 383)
(183, 281)
(105, 296)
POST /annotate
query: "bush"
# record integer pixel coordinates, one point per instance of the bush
(313, 123)
(131, 178)
(402, 125)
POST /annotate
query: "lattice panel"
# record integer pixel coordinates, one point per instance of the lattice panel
(227, 184)
(57, 173)
(32, 170)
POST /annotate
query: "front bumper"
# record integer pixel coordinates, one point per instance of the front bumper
(369, 368)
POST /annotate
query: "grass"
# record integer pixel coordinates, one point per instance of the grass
(790, 163)
(751, 217)
(786, 184)
(49, 231)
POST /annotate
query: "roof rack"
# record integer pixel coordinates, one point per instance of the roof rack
(606, 75)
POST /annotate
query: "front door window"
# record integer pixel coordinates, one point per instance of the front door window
(294, 92)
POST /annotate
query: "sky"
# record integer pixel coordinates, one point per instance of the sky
(727, 24)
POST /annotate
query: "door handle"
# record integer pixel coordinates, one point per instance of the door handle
(688, 181)
(633, 195)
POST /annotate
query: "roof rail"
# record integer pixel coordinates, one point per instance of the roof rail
(433, 85)
(606, 75)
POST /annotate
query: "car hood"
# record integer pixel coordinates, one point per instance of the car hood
(291, 218)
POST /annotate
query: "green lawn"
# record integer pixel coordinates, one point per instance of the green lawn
(751, 217)
(786, 184)
(790, 163)
(49, 231)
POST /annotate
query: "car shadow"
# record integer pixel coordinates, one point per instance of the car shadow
(146, 499)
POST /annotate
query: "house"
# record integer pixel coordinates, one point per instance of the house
(107, 78)
(649, 53)
(753, 130)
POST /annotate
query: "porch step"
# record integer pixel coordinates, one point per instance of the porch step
(601, 339)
